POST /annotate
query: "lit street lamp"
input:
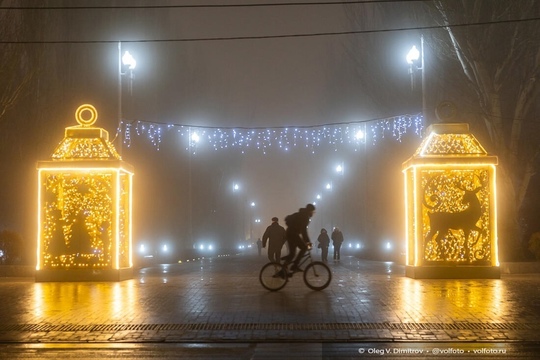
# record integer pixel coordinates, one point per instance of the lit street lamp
(319, 197)
(412, 58)
(340, 169)
(236, 189)
(252, 205)
(126, 65)
(329, 188)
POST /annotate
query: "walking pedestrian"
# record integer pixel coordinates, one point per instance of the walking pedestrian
(324, 243)
(337, 239)
(275, 236)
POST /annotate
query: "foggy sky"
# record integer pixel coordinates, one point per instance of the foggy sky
(268, 83)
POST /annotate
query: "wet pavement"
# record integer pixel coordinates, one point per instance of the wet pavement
(369, 309)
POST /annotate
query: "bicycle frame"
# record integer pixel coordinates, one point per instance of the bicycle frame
(317, 275)
(305, 258)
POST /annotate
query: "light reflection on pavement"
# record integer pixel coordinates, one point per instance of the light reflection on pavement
(221, 300)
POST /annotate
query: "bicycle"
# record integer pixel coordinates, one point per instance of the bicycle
(317, 275)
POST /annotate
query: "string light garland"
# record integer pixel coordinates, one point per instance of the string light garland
(284, 138)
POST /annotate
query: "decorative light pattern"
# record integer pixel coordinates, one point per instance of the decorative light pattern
(450, 188)
(77, 219)
(450, 144)
(444, 193)
(353, 134)
(85, 141)
(96, 148)
(84, 202)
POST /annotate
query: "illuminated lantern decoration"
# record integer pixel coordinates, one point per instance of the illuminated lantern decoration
(84, 207)
(451, 208)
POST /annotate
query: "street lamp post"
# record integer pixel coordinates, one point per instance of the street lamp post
(193, 140)
(236, 189)
(251, 216)
(328, 187)
(412, 59)
(257, 222)
(340, 169)
(318, 197)
(124, 61)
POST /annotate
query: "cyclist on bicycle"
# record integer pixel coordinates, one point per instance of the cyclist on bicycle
(297, 235)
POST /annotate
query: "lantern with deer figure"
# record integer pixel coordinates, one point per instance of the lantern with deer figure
(451, 210)
(84, 207)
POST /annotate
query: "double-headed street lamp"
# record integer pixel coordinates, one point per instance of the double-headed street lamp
(414, 57)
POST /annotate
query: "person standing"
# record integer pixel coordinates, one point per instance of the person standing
(324, 243)
(275, 236)
(259, 243)
(297, 235)
(337, 239)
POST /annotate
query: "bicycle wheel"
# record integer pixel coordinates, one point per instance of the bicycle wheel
(273, 276)
(317, 275)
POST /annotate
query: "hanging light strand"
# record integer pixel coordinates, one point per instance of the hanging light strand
(284, 138)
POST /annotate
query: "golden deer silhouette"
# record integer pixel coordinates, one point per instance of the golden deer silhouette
(440, 223)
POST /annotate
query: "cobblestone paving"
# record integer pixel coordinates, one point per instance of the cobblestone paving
(221, 300)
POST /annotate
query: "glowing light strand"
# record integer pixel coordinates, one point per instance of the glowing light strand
(353, 134)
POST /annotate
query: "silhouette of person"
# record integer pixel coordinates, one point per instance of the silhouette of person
(337, 239)
(275, 236)
(297, 235)
(259, 244)
(324, 243)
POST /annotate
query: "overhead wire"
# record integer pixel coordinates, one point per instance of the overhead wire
(206, 6)
(263, 37)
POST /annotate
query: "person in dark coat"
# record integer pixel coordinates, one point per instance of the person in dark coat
(337, 238)
(275, 236)
(324, 243)
(297, 235)
(259, 245)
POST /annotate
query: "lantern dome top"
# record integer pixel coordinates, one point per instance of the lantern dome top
(85, 142)
(449, 140)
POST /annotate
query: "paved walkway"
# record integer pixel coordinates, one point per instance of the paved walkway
(221, 300)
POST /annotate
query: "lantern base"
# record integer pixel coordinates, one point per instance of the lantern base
(453, 272)
(84, 275)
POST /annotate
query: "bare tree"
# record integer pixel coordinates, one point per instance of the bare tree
(16, 72)
(498, 64)
(501, 63)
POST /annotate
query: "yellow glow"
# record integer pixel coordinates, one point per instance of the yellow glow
(130, 221)
(38, 250)
(450, 301)
(96, 148)
(405, 192)
(84, 202)
(451, 181)
(426, 143)
(83, 109)
(117, 219)
(416, 244)
(442, 142)
(85, 142)
(495, 220)
(83, 195)
(100, 302)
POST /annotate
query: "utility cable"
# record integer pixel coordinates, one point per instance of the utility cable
(265, 37)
